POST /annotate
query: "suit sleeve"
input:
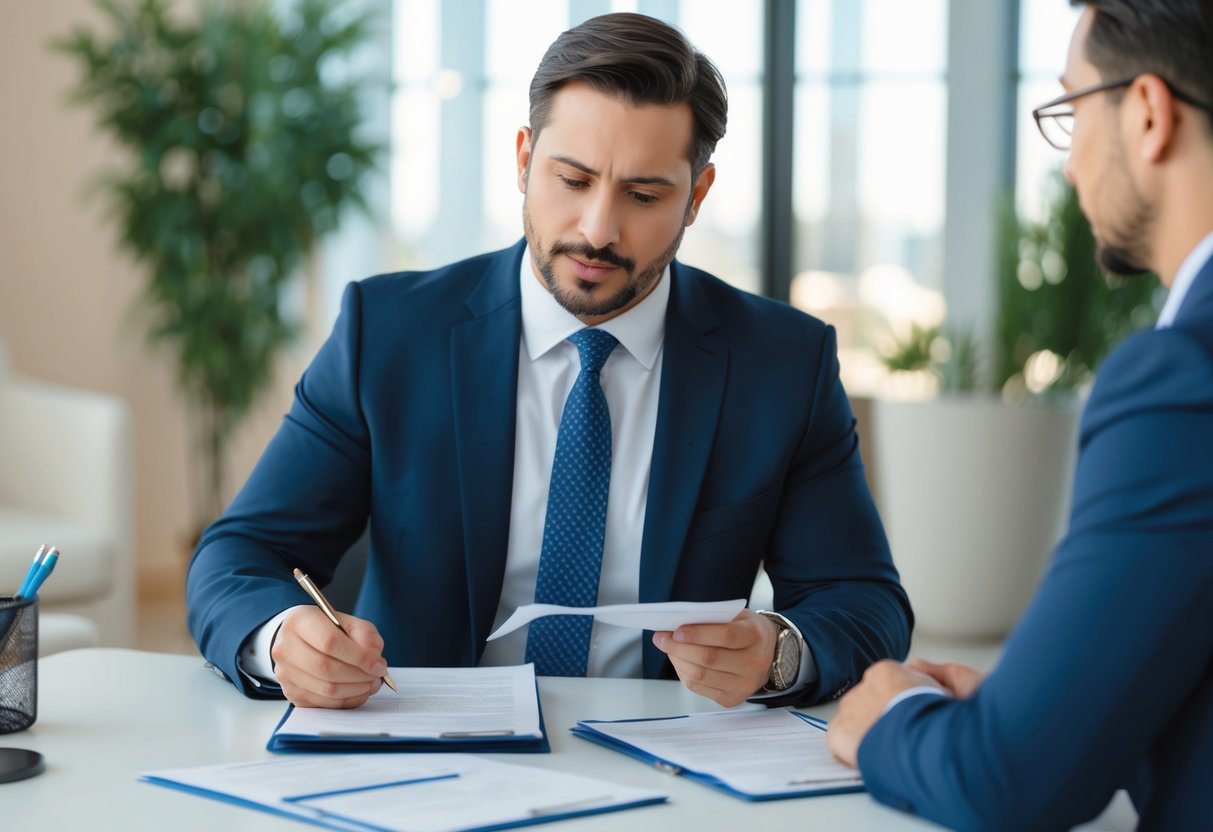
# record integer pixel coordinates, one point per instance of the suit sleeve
(829, 560)
(1116, 639)
(304, 504)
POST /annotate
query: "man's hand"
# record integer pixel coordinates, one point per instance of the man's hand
(319, 666)
(960, 680)
(725, 662)
(859, 709)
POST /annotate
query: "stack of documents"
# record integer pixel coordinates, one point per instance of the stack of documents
(437, 709)
(754, 755)
(434, 793)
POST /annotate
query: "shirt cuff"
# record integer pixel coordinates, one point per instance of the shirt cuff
(920, 690)
(254, 659)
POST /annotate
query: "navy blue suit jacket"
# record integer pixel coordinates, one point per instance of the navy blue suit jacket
(407, 413)
(1107, 681)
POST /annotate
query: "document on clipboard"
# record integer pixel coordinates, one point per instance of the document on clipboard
(406, 792)
(752, 755)
(436, 709)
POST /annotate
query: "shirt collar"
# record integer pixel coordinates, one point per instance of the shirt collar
(1184, 278)
(545, 323)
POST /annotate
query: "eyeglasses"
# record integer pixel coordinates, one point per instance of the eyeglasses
(1056, 119)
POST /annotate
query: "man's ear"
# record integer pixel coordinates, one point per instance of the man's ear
(1150, 108)
(522, 149)
(703, 184)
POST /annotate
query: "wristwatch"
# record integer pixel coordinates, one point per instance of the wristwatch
(785, 665)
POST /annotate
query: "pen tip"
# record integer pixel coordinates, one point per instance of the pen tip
(299, 576)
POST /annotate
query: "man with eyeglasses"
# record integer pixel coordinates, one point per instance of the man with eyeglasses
(1107, 682)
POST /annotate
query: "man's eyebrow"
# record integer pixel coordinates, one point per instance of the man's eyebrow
(631, 180)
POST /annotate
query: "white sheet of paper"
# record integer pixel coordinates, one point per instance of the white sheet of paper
(435, 702)
(664, 616)
(275, 784)
(486, 794)
(419, 793)
(757, 752)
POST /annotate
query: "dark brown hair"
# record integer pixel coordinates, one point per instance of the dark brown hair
(1169, 38)
(642, 61)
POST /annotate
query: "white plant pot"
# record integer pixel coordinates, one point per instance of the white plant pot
(974, 494)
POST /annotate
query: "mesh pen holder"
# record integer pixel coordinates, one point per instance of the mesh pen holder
(18, 663)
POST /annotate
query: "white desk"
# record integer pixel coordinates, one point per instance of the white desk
(106, 715)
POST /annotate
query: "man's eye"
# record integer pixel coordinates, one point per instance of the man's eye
(643, 199)
(575, 184)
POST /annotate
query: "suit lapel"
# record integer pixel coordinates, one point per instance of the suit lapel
(693, 376)
(484, 382)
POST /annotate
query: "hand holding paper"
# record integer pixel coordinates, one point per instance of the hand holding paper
(665, 616)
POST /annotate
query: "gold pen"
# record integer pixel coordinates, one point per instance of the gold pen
(327, 608)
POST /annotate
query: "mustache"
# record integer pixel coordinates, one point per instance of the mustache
(598, 255)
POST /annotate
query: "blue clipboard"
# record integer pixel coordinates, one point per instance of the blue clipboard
(587, 731)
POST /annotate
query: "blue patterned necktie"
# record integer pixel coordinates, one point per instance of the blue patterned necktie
(573, 533)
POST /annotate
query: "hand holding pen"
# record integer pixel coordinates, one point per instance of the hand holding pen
(324, 659)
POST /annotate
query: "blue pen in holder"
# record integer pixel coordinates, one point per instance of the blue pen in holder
(18, 663)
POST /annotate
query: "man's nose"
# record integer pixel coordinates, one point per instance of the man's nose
(599, 224)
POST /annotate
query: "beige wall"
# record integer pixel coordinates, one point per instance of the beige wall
(67, 294)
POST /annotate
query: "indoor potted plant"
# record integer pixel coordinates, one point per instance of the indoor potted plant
(241, 153)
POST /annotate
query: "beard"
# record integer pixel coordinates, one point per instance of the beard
(582, 299)
(1122, 248)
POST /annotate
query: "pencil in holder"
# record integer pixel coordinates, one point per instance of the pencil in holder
(18, 663)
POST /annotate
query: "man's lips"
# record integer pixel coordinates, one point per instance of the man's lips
(592, 271)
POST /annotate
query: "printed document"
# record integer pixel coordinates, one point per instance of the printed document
(433, 793)
(752, 754)
(434, 702)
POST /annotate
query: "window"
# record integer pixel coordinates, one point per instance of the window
(1045, 29)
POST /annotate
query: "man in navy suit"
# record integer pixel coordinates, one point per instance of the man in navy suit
(1107, 682)
(435, 407)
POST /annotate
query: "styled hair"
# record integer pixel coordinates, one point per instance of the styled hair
(640, 60)
(1169, 38)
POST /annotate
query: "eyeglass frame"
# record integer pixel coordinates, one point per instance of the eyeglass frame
(1039, 114)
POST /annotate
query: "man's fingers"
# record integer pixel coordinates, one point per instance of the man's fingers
(307, 691)
(359, 647)
(719, 659)
(720, 688)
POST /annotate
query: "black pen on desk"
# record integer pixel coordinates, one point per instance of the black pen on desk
(327, 608)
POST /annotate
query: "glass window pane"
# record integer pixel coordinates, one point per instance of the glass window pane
(518, 34)
(1045, 27)
(904, 36)
(1045, 30)
(414, 41)
(730, 33)
(505, 111)
(724, 238)
(413, 174)
(869, 168)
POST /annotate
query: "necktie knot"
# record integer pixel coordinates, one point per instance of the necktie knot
(594, 347)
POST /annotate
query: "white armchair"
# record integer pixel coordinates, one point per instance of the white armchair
(65, 479)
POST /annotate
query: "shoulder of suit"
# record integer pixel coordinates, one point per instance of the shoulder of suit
(1152, 370)
(737, 306)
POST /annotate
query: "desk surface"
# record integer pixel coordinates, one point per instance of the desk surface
(106, 715)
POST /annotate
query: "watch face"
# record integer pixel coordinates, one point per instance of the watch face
(787, 659)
